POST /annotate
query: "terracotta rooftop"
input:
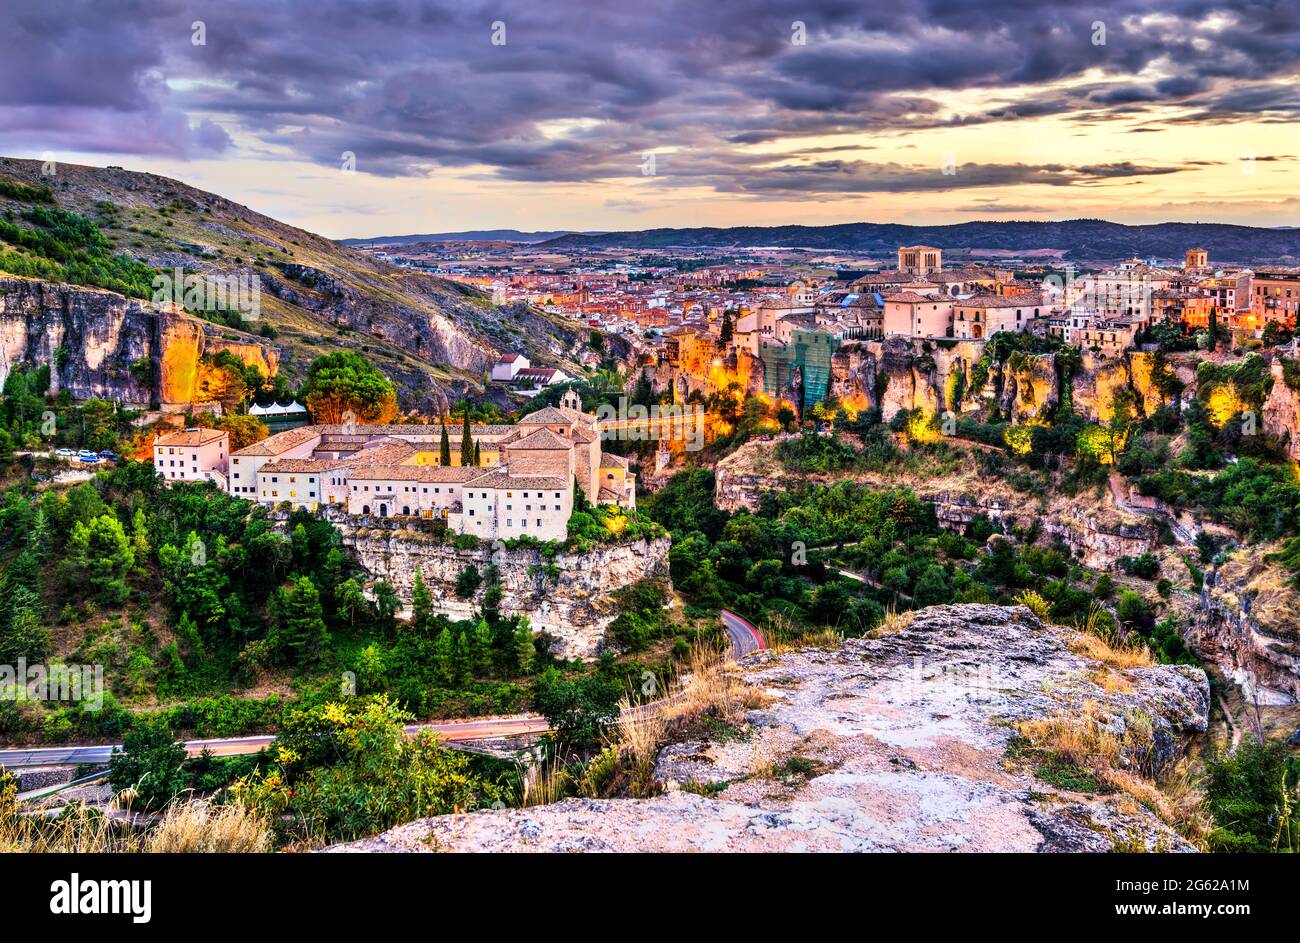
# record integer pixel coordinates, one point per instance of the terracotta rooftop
(908, 297)
(541, 439)
(282, 442)
(448, 474)
(1028, 299)
(501, 478)
(190, 437)
(288, 465)
(608, 460)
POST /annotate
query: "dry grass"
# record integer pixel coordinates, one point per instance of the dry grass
(1110, 680)
(1079, 739)
(79, 829)
(1083, 741)
(548, 783)
(198, 827)
(1112, 654)
(894, 621)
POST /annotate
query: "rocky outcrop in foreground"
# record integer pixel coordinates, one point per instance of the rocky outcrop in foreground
(903, 743)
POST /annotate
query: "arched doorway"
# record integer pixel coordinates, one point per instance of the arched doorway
(977, 331)
(383, 510)
(365, 509)
(406, 511)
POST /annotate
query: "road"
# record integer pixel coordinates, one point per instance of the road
(744, 637)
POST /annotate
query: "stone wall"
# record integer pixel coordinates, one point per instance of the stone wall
(572, 604)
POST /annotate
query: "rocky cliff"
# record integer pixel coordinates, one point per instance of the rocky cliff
(900, 373)
(903, 743)
(568, 597)
(1248, 625)
(433, 337)
(99, 343)
(1282, 412)
(1098, 532)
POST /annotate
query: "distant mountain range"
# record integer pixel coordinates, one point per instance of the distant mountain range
(1081, 239)
(471, 235)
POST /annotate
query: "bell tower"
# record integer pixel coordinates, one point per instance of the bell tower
(571, 400)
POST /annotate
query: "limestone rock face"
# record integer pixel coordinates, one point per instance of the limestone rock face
(571, 603)
(1098, 533)
(1248, 625)
(95, 340)
(1282, 413)
(894, 744)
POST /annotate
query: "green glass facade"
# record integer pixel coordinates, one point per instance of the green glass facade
(808, 352)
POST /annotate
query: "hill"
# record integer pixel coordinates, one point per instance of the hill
(469, 235)
(433, 337)
(1080, 239)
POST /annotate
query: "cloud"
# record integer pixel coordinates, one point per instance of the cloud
(580, 91)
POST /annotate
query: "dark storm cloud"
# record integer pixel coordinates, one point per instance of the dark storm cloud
(582, 91)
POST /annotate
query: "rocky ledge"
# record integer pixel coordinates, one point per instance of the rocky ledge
(901, 743)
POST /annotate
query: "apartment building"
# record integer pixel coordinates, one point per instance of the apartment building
(192, 455)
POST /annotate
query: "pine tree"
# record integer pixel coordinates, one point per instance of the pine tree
(303, 635)
(444, 657)
(463, 663)
(39, 537)
(466, 443)
(139, 536)
(524, 649)
(444, 447)
(481, 649)
(421, 604)
(21, 632)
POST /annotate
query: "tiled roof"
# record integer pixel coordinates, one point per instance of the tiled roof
(547, 415)
(190, 437)
(612, 461)
(448, 474)
(501, 478)
(282, 442)
(1028, 299)
(287, 465)
(541, 439)
(908, 297)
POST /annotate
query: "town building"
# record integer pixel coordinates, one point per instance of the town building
(1275, 296)
(919, 260)
(982, 316)
(192, 455)
(507, 365)
(524, 485)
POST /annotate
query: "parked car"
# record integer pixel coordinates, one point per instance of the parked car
(108, 456)
(86, 453)
(65, 453)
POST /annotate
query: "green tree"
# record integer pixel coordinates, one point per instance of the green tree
(578, 710)
(481, 649)
(98, 424)
(303, 636)
(1253, 797)
(444, 447)
(349, 601)
(345, 384)
(100, 553)
(150, 763)
(466, 443)
(468, 582)
(421, 605)
(444, 657)
(21, 633)
(524, 650)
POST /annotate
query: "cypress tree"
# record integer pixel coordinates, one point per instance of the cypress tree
(478, 459)
(466, 443)
(444, 447)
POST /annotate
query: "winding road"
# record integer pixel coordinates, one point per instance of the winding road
(742, 634)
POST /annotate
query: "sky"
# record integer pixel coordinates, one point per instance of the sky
(359, 118)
